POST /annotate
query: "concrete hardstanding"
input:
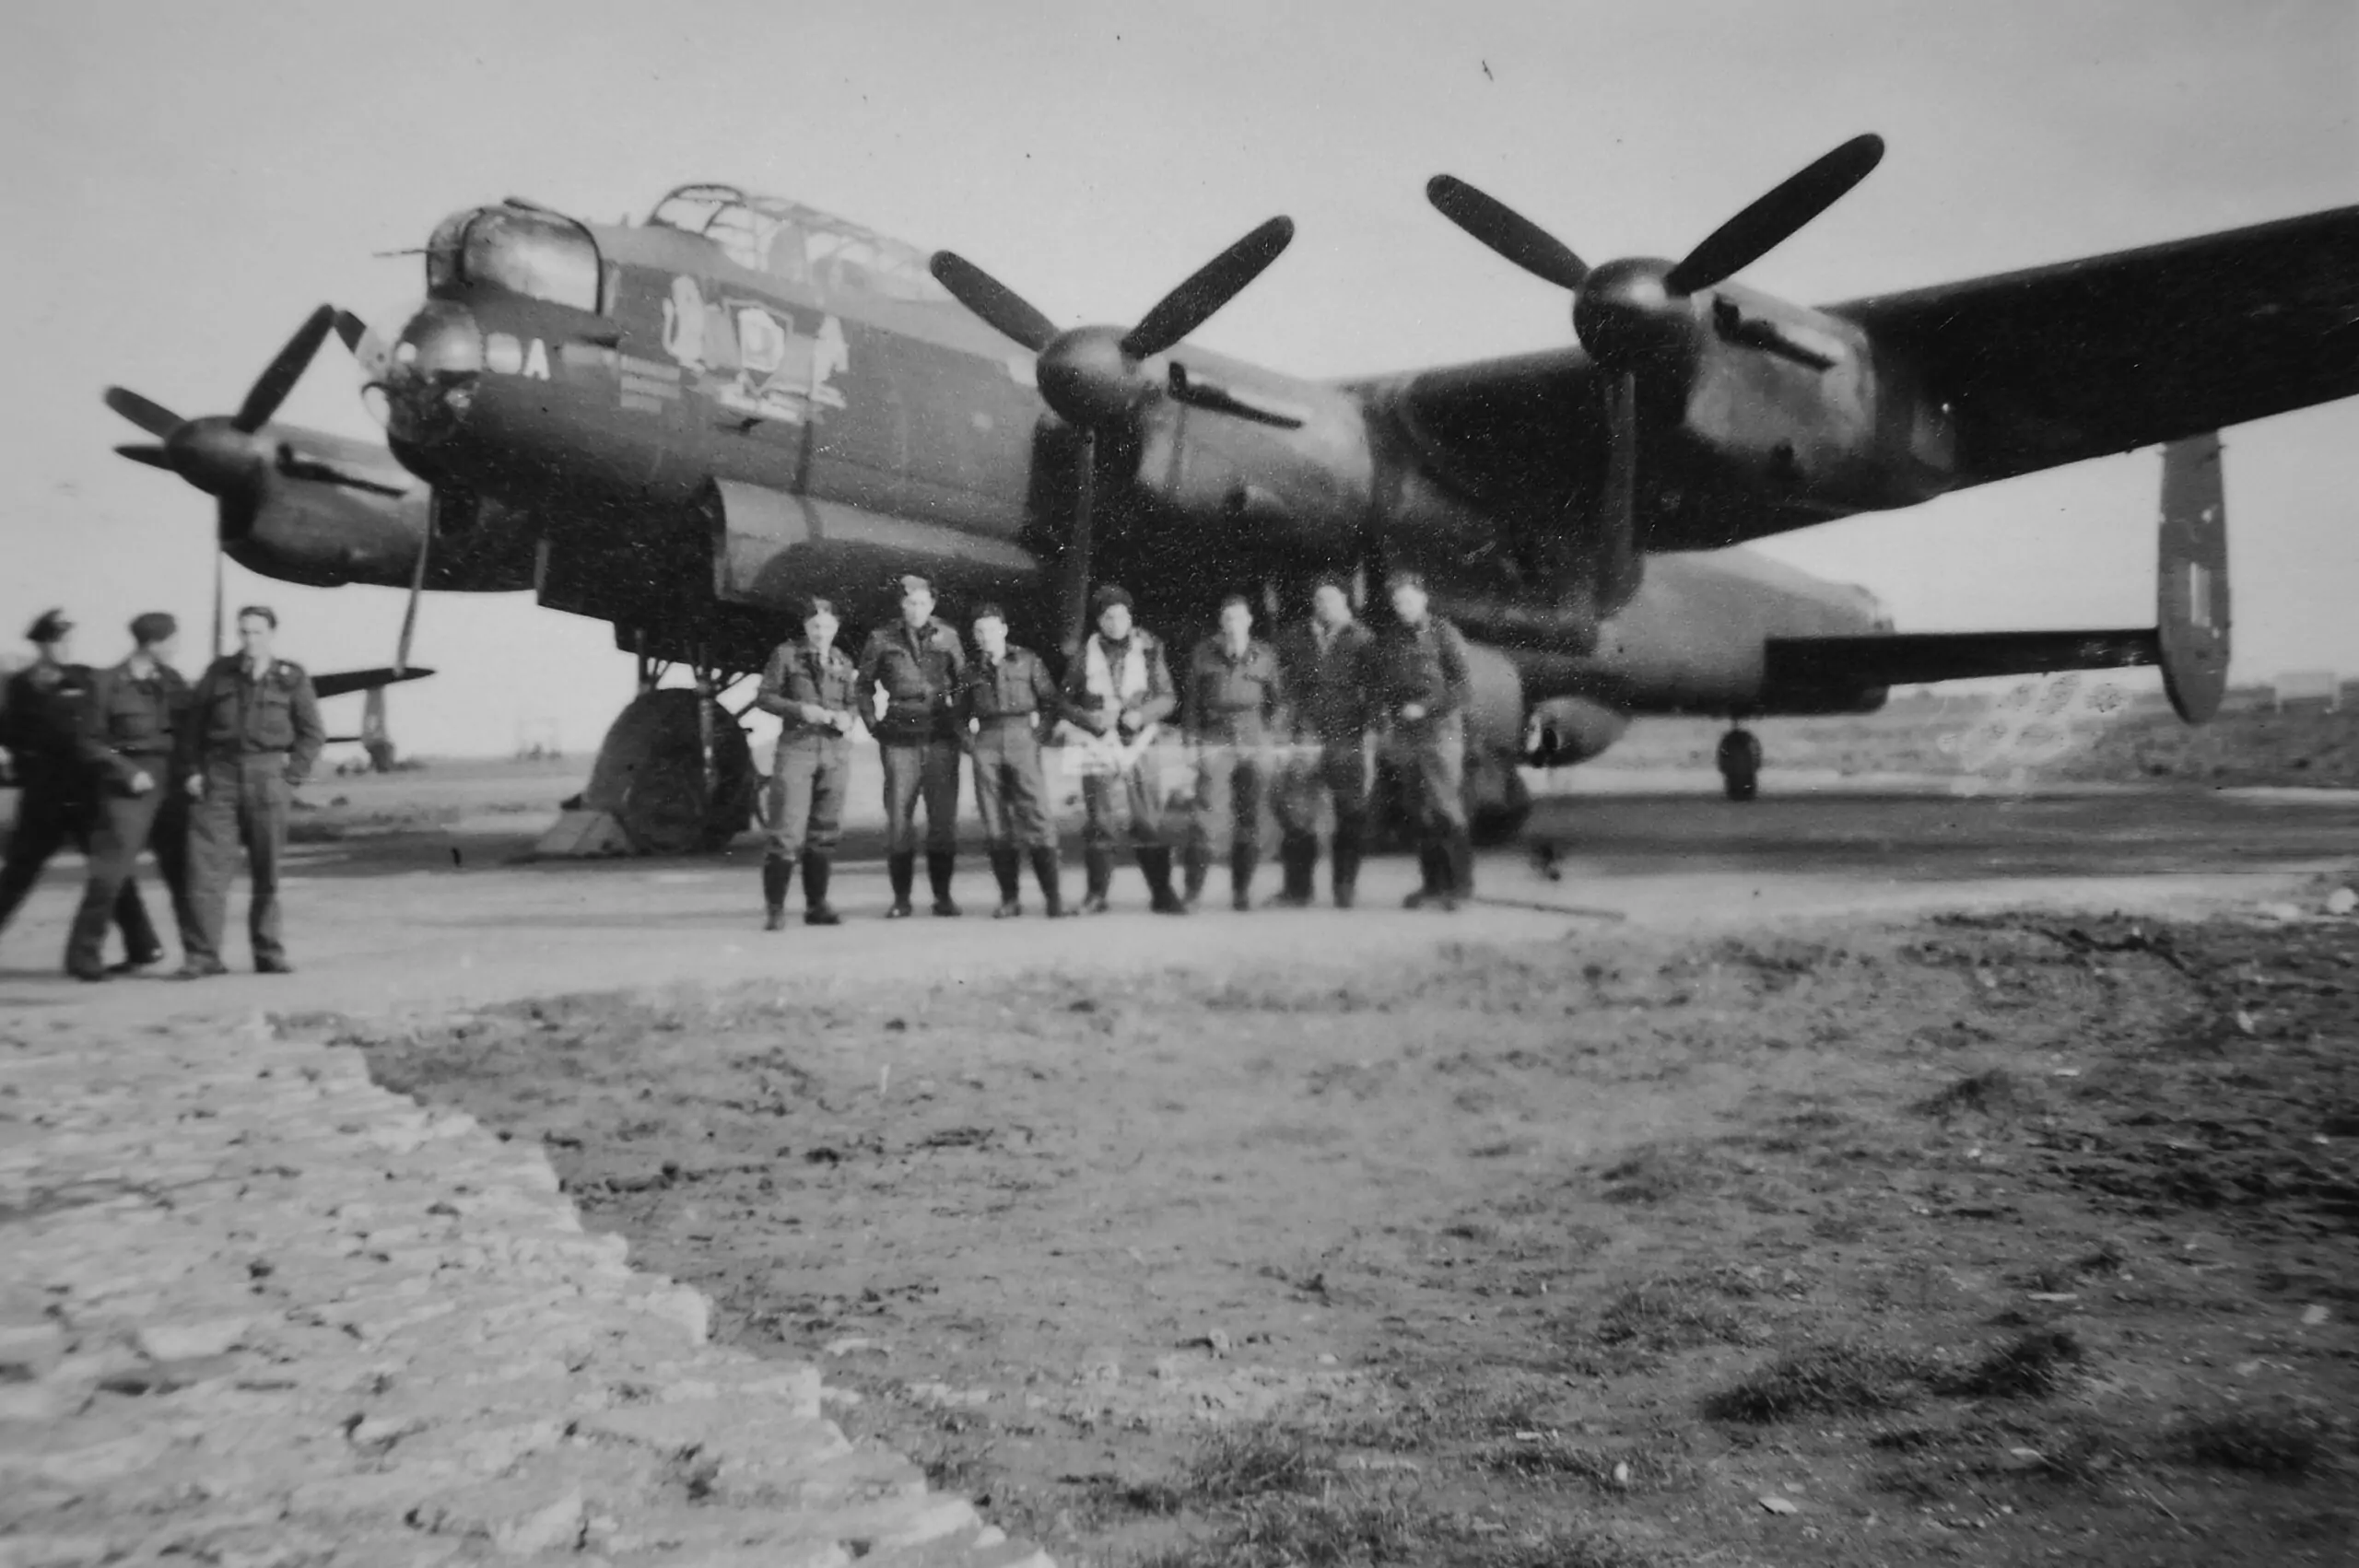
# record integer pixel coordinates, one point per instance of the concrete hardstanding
(258, 1310)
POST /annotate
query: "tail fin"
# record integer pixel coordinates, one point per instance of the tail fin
(2191, 578)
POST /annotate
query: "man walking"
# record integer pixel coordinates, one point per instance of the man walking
(253, 734)
(1007, 695)
(1424, 684)
(811, 687)
(1232, 706)
(918, 665)
(41, 717)
(1120, 681)
(130, 729)
(1324, 663)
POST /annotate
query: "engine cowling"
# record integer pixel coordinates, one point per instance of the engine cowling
(1495, 705)
(1566, 730)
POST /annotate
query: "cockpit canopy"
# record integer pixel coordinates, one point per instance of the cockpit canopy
(533, 251)
(800, 244)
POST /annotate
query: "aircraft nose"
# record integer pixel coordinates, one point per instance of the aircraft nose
(426, 376)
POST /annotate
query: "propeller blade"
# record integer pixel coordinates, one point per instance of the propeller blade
(1507, 232)
(1076, 564)
(1000, 307)
(350, 329)
(1213, 285)
(278, 378)
(1774, 218)
(152, 417)
(152, 456)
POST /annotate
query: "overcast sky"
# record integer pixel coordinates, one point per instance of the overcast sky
(186, 182)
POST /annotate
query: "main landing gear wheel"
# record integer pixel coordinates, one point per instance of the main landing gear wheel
(651, 774)
(1739, 761)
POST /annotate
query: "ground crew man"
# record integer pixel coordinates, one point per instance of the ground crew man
(253, 733)
(917, 663)
(1006, 697)
(1120, 681)
(813, 689)
(130, 729)
(40, 725)
(1232, 706)
(1324, 663)
(1422, 681)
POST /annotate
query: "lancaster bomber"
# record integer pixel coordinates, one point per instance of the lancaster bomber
(682, 425)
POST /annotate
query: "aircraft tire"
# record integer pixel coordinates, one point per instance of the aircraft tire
(650, 774)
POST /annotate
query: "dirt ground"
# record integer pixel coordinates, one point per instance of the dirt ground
(1979, 1239)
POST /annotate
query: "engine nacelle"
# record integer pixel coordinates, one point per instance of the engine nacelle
(1566, 730)
(1495, 705)
(325, 535)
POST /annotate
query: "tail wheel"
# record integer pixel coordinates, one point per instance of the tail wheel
(652, 775)
(1740, 762)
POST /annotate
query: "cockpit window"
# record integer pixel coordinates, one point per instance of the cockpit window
(801, 244)
(443, 252)
(535, 255)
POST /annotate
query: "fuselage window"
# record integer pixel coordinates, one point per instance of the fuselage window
(538, 257)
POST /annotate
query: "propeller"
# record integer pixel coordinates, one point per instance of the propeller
(1637, 316)
(1095, 378)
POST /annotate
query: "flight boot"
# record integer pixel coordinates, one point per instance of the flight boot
(1433, 862)
(1459, 858)
(1196, 866)
(777, 875)
(1098, 865)
(903, 870)
(815, 910)
(1011, 889)
(1154, 864)
(1044, 872)
(940, 866)
(1347, 866)
(1298, 858)
(1243, 859)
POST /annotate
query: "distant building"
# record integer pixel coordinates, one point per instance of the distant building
(2308, 685)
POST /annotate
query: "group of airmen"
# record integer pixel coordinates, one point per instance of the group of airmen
(1293, 721)
(131, 758)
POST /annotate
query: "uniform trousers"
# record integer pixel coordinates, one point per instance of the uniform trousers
(928, 769)
(1337, 770)
(127, 824)
(1126, 804)
(48, 819)
(246, 804)
(808, 776)
(1011, 789)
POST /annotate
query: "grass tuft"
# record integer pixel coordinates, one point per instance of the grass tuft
(1669, 1313)
(1994, 1093)
(2029, 1366)
(1834, 1378)
(2265, 1442)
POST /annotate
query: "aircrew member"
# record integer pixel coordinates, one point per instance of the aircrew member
(1120, 680)
(253, 734)
(40, 724)
(1007, 696)
(129, 732)
(1424, 682)
(918, 665)
(1232, 705)
(1324, 664)
(813, 688)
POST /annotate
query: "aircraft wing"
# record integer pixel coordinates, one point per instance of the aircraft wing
(336, 683)
(2110, 353)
